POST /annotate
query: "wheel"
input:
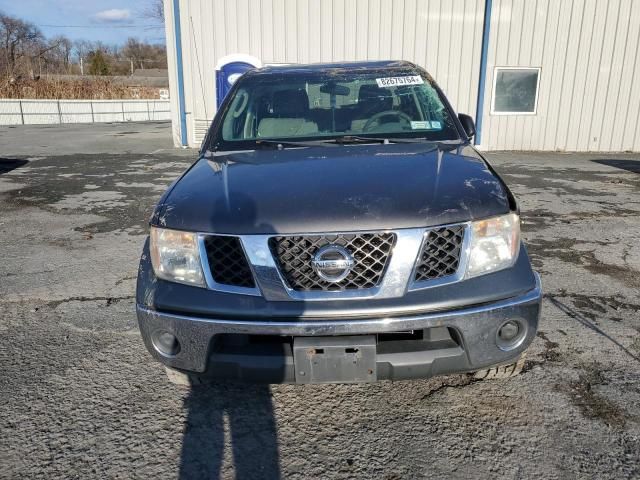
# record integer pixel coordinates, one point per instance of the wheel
(185, 379)
(503, 371)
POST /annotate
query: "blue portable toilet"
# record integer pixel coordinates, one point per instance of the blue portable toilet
(229, 69)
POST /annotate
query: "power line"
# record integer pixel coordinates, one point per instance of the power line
(102, 26)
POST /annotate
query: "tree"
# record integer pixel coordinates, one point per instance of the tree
(144, 55)
(26, 53)
(155, 10)
(136, 51)
(97, 63)
(61, 53)
(17, 40)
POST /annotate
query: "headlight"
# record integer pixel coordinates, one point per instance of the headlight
(175, 256)
(494, 245)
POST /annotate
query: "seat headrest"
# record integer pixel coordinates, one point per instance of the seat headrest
(292, 103)
(373, 96)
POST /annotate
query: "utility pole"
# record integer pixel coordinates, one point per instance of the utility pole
(131, 60)
(81, 67)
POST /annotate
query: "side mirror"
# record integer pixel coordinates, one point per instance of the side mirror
(467, 124)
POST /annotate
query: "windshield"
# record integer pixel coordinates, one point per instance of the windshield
(325, 104)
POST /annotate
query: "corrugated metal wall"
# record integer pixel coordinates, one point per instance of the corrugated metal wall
(589, 90)
(589, 97)
(444, 36)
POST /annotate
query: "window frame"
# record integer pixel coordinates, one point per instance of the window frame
(493, 91)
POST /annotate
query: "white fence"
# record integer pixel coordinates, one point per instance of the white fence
(28, 112)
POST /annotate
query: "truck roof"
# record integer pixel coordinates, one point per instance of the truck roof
(298, 68)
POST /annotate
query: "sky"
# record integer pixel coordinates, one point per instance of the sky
(110, 21)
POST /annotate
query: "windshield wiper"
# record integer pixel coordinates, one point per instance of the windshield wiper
(345, 139)
(350, 139)
(280, 144)
(386, 140)
(327, 142)
(425, 140)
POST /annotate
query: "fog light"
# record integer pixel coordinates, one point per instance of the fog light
(511, 335)
(166, 343)
(508, 331)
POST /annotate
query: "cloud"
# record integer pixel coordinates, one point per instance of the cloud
(114, 15)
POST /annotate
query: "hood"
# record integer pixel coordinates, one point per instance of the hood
(332, 189)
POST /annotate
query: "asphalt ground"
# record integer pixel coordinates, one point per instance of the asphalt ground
(81, 398)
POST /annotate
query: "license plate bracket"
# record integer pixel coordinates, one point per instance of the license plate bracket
(348, 359)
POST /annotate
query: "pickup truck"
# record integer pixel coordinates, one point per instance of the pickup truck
(338, 226)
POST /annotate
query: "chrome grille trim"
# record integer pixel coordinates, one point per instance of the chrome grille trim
(206, 270)
(440, 253)
(462, 264)
(371, 252)
(393, 284)
(397, 280)
(228, 262)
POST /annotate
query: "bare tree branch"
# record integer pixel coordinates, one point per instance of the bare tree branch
(155, 10)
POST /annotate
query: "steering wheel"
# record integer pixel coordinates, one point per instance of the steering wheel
(378, 116)
(238, 109)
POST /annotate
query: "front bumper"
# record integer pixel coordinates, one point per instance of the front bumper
(475, 330)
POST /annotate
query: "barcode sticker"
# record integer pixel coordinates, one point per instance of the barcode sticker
(397, 81)
(426, 125)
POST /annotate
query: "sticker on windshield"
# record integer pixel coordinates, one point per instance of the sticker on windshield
(397, 81)
(426, 125)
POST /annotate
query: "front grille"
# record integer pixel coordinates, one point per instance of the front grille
(440, 253)
(371, 252)
(228, 262)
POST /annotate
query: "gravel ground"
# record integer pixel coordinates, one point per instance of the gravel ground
(81, 398)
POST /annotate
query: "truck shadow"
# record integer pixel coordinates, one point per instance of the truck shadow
(8, 164)
(632, 166)
(242, 413)
(233, 416)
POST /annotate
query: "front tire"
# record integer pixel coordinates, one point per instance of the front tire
(503, 371)
(184, 379)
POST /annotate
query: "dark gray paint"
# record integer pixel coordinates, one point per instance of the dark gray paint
(326, 189)
(174, 297)
(476, 327)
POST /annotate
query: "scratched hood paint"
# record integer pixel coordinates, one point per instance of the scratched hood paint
(324, 189)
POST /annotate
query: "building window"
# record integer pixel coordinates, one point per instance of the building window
(515, 91)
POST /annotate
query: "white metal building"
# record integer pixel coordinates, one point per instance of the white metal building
(535, 74)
